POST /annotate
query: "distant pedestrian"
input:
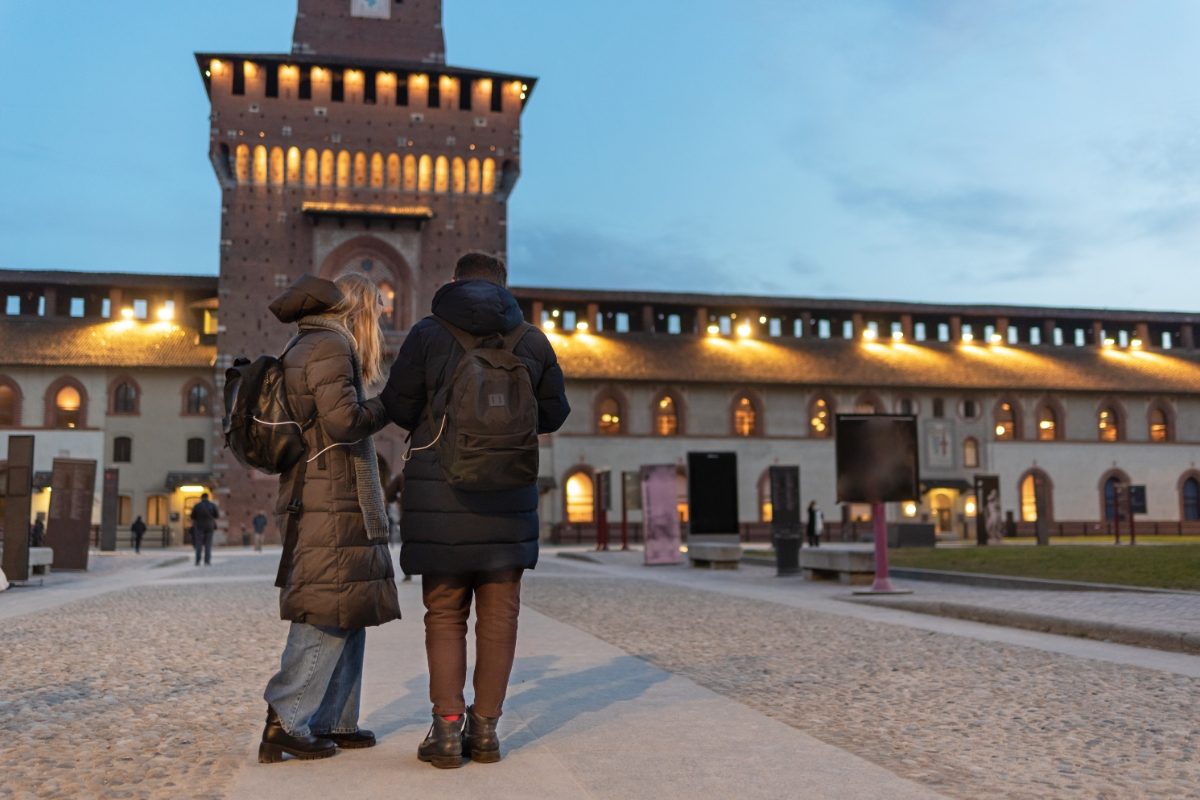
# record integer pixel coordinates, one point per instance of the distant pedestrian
(37, 533)
(138, 529)
(204, 522)
(259, 523)
(815, 526)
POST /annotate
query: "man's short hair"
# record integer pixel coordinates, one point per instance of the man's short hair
(481, 266)
(204, 496)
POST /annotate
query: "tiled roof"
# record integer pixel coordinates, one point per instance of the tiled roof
(59, 342)
(822, 362)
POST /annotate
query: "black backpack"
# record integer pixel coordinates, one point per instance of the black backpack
(258, 424)
(486, 436)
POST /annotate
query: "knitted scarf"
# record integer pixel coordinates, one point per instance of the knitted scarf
(362, 452)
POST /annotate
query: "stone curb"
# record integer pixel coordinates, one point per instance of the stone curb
(1014, 582)
(1156, 638)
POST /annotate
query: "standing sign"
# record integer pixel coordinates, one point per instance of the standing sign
(989, 519)
(660, 515)
(1137, 500)
(72, 492)
(712, 494)
(110, 501)
(785, 499)
(17, 483)
(372, 9)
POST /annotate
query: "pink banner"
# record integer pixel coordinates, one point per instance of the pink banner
(660, 516)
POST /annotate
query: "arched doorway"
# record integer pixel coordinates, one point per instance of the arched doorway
(387, 269)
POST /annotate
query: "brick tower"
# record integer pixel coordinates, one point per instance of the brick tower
(360, 150)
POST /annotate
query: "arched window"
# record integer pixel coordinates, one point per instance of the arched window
(579, 498)
(393, 172)
(195, 450)
(1160, 424)
(10, 404)
(766, 509)
(360, 170)
(122, 450)
(293, 166)
(820, 419)
(197, 399)
(277, 166)
(1048, 423)
(473, 176)
(312, 169)
(67, 406)
(609, 416)
(666, 416)
(425, 174)
(1036, 496)
(1108, 424)
(241, 161)
(1189, 498)
(745, 417)
(1113, 500)
(343, 169)
(377, 171)
(970, 453)
(1006, 421)
(260, 164)
(489, 176)
(388, 293)
(459, 170)
(328, 173)
(410, 173)
(441, 175)
(124, 397)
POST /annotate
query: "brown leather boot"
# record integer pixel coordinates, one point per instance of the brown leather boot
(443, 745)
(276, 742)
(480, 742)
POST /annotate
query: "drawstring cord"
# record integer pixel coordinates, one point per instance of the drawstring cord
(408, 456)
(335, 444)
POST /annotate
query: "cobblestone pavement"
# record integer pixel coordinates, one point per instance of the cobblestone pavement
(970, 718)
(143, 693)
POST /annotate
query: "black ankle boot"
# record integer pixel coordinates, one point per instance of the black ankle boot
(276, 742)
(443, 745)
(480, 742)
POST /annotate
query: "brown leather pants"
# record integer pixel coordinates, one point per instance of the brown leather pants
(447, 600)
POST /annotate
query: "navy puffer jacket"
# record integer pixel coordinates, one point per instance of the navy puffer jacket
(446, 531)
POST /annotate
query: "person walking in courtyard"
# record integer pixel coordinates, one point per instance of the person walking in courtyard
(335, 574)
(138, 529)
(815, 525)
(475, 385)
(259, 523)
(204, 522)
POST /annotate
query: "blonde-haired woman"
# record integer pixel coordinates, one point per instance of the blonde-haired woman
(335, 574)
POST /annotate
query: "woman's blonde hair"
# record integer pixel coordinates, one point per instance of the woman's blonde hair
(359, 311)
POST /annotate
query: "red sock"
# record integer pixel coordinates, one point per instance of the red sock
(452, 717)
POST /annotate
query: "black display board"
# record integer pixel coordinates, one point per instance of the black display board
(17, 483)
(1137, 500)
(785, 497)
(72, 492)
(876, 458)
(712, 494)
(110, 501)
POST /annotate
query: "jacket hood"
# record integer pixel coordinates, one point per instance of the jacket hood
(307, 296)
(478, 307)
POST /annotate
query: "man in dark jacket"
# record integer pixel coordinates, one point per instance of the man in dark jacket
(138, 529)
(467, 544)
(204, 522)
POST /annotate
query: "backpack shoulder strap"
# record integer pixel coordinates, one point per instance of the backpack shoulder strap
(514, 337)
(465, 339)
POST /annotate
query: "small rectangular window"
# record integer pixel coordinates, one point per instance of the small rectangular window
(77, 306)
(622, 322)
(125, 510)
(775, 328)
(141, 309)
(939, 408)
(1035, 335)
(465, 92)
(1167, 341)
(239, 77)
(1080, 337)
(402, 91)
(306, 83)
(435, 94)
(919, 332)
(943, 332)
(337, 91)
(497, 96)
(195, 451)
(369, 88)
(1058, 337)
(674, 324)
(272, 80)
(12, 306)
(847, 329)
(824, 329)
(970, 409)
(106, 308)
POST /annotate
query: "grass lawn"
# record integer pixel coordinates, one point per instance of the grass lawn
(1165, 566)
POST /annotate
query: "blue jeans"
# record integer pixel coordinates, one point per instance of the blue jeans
(202, 541)
(319, 682)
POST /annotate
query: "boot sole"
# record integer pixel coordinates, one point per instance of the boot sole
(355, 745)
(273, 754)
(483, 756)
(442, 762)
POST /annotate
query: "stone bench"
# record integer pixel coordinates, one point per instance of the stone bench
(40, 559)
(719, 554)
(854, 567)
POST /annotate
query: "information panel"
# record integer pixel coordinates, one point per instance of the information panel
(72, 493)
(876, 458)
(16, 481)
(660, 514)
(989, 519)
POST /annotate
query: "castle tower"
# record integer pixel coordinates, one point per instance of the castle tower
(360, 150)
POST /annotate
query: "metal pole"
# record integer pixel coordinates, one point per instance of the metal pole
(878, 520)
(624, 516)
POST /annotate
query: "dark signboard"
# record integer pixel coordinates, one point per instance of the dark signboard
(604, 490)
(660, 514)
(1137, 500)
(631, 485)
(110, 501)
(876, 458)
(712, 494)
(72, 492)
(989, 519)
(17, 482)
(785, 497)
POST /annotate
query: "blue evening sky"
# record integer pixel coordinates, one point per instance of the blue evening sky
(968, 151)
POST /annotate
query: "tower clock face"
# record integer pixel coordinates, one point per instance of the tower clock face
(377, 9)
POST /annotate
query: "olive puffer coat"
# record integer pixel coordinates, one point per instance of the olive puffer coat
(446, 531)
(338, 576)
